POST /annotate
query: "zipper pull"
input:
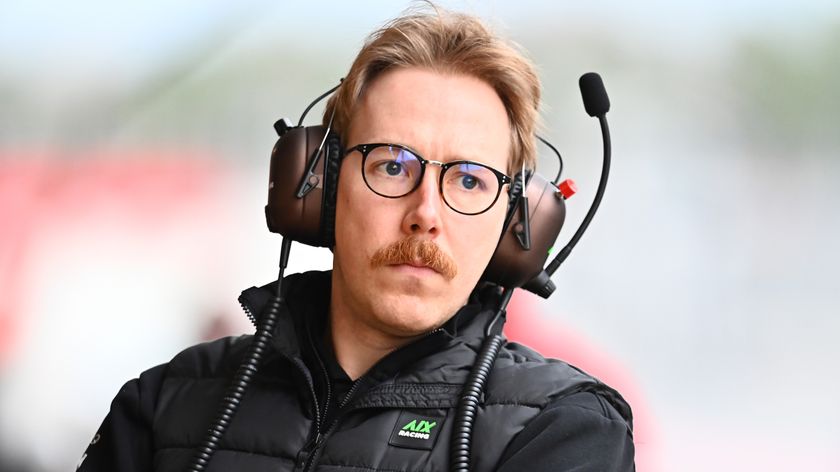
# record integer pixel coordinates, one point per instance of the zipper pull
(302, 459)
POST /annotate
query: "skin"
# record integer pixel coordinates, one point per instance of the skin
(445, 117)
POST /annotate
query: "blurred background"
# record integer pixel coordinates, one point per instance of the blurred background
(134, 145)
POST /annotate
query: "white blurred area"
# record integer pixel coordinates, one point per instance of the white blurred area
(134, 144)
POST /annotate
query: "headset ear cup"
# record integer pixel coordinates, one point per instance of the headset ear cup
(298, 185)
(512, 266)
(332, 166)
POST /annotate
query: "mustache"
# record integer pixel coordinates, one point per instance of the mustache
(413, 250)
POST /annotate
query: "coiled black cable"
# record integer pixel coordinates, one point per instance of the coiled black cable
(461, 443)
(247, 369)
(468, 406)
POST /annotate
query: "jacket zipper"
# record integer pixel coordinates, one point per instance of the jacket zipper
(316, 451)
(249, 314)
(303, 370)
(327, 383)
(318, 437)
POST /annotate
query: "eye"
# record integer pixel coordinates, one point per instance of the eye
(468, 177)
(389, 168)
(390, 162)
(392, 168)
(467, 181)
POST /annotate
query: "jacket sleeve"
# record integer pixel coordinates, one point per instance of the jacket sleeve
(581, 432)
(124, 440)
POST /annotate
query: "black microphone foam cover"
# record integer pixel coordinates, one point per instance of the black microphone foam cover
(595, 98)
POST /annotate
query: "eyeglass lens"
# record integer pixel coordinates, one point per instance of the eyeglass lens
(467, 187)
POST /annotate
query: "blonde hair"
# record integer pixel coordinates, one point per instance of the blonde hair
(449, 42)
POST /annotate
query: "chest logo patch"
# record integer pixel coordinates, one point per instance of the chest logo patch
(415, 431)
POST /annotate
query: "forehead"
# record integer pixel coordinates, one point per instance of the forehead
(443, 116)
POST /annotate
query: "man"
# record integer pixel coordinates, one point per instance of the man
(366, 366)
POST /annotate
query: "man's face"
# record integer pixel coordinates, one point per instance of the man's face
(444, 117)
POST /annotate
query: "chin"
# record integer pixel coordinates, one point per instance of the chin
(410, 315)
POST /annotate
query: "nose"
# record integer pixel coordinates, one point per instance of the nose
(425, 204)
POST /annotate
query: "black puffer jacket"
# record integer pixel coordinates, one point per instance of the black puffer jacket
(536, 415)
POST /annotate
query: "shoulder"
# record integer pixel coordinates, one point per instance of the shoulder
(523, 376)
(582, 431)
(576, 423)
(587, 408)
(580, 423)
(519, 366)
(209, 359)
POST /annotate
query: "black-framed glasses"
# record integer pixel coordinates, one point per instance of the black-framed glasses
(394, 171)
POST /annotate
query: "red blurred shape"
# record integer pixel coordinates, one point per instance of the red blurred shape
(44, 193)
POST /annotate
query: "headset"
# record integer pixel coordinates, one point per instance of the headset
(302, 191)
(303, 181)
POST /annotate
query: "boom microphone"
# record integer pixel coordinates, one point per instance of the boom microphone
(595, 98)
(597, 104)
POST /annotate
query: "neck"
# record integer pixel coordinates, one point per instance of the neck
(357, 345)
(356, 348)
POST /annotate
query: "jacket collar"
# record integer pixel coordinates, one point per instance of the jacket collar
(308, 295)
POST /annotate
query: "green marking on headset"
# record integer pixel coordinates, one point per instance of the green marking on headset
(550, 250)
